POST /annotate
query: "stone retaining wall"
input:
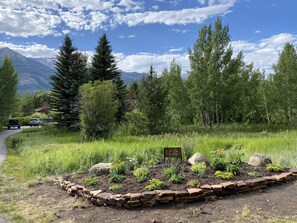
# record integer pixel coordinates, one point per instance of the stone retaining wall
(153, 198)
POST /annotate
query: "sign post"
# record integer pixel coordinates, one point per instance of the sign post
(174, 152)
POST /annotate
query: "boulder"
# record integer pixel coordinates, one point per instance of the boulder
(258, 159)
(100, 169)
(197, 158)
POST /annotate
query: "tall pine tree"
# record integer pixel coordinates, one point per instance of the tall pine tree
(71, 73)
(152, 102)
(104, 68)
(8, 89)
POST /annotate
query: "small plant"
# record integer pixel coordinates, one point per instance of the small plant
(131, 163)
(273, 168)
(235, 155)
(92, 181)
(254, 174)
(199, 168)
(176, 179)
(234, 169)
(170, 171)
(115, 188)
(155, 184)
(116, 178)
(141, 173)
(193, 183)
(224, 175)
(218, 160)
(118, 168)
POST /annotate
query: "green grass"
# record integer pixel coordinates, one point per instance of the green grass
(55, 152)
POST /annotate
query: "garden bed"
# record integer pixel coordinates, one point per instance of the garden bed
(131, 185)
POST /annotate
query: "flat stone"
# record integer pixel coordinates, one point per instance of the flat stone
(283, 176)
(135, 196)
(293, 170)
(132, 204)
(163, 193)
(228, 185)
(241, 183)
(270, 178)
(217, 188)
(256, 182)
(103, 196)
(164, 199)
(149, 194)
(181, 193)
(195, 191)
(94, 193)
(206, 186)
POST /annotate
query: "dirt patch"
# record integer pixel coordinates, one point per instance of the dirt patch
(131, 185)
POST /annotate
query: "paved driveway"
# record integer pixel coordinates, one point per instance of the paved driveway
(3, 151)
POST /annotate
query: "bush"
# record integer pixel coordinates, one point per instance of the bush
(273, 168)
(199, 168)
(118, 168)
(141, 173)
(176, 178)
(116, 178)
(224, 175)
(115, 188)
(98, 109)
(155, 184)
(92, 181)
(234, 169)
(235, 155)
(218, 160)
(193, 183)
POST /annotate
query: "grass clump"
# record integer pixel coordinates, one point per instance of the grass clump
(176, 178)
(141, 173)
(224, 175)
(254, 174)
(273, 168)
(92, 181)
(193, 183)
(115, 188)
(199, 168)
(155, 184)
(170, 171)
(116, 178)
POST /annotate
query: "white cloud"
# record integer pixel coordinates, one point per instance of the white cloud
(258, 31)
(48, 17)
(182, 17)
(176, 49)
(265, 52)
(180, 30)
(31, 50)
(142, 61)
(202, 2)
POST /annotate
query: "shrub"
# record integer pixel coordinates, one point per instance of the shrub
(273, 168)
(176, 179)
(92, 181)
(254, 174)
(118, 168)
(224, 175)
(234, 169)
(218, 160)
(235, 155)
(193, 183)
(141, 173)
(155, 184)
(199, 168)
(116, 178)
(170, 171)
(115, 188)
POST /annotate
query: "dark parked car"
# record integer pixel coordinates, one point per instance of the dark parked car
(13, 123)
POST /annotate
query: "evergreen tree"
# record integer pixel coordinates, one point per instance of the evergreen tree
(152, 102)
(214, 75)
(8, 89)
(285, 80)
(104, 68)
(71, 73)
(179, 109)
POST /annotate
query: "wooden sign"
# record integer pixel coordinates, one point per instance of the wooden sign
(175, 152)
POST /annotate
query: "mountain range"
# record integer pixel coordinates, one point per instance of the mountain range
(34, 73)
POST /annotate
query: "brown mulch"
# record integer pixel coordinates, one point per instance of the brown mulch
(131, 185)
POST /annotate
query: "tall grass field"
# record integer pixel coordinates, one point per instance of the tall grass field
(49, 151)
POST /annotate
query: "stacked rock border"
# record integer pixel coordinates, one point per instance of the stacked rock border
(154, 198)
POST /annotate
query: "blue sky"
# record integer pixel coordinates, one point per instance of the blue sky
(147, 32)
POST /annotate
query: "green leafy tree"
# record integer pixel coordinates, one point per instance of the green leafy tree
(104, 68)
(179, 109)
(71, 73)
(214, 75)
(285, 80)
(152, 102)
(98, 109)
(8, 89)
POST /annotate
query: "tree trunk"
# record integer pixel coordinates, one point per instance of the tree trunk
(266, 109)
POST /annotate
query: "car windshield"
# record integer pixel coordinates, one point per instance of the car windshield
(13, 122)
(34, 119)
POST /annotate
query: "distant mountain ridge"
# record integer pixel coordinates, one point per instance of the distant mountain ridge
(34, 73)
